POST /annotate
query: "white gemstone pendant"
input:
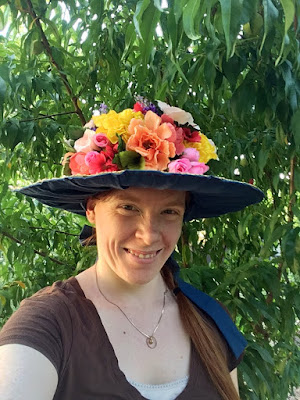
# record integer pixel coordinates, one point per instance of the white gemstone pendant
(151, 342)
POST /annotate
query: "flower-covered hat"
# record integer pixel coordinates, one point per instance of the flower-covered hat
(148, 146)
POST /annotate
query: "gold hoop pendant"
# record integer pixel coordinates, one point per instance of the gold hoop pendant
(151, 342)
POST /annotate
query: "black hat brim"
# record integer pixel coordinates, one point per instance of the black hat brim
(210, 196)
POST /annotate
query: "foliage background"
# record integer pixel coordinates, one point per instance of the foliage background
(234, 64)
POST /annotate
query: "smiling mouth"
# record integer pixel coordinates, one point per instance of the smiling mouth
(142, 255)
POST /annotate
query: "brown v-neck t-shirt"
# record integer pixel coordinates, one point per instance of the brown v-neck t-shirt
(61, 323)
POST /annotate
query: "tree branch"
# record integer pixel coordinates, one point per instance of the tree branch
(47, 230)
(63, 76)
(40, 253)
(48, 116)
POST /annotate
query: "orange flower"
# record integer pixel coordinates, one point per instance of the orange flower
(148, 138)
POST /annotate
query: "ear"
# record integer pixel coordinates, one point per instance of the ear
(90, 210)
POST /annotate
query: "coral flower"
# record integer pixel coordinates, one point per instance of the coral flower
(86, 142)
(206, 148)
(77, 164)
(149, 139)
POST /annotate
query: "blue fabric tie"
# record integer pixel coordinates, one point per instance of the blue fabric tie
(234, 338)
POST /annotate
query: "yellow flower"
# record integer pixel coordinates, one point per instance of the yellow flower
(206, 147)
(113, 123)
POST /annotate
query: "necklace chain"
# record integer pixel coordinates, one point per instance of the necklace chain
(150, 339)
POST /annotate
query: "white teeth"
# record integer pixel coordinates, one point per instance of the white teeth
(142, 255)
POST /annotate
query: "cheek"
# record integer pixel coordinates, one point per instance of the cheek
(173, 233)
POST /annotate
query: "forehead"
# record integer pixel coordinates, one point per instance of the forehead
(149, 194)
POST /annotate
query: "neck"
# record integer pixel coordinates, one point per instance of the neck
(122, 292)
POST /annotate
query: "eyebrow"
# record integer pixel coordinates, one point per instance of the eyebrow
(132, 197)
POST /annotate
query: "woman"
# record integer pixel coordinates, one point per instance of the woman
(157, 337)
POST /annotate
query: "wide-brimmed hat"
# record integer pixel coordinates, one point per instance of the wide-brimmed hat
(209, 196)
(149, 146)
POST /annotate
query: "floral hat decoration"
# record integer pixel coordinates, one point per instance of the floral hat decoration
(146, 137)
(155, 146)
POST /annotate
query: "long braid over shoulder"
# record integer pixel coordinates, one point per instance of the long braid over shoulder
(206, 342)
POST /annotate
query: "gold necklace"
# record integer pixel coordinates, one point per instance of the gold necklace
(151, 341)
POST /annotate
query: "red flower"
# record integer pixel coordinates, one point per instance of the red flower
(99, 162)
(191, 136)
(138, 107)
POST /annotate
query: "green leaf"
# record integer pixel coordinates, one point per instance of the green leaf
(190, 18)
(290, 246)
(226, 19)
(178, 8)
(130, 37)
(121, 144)
(129, 160)
(264, 354)
(295, 126)
(270, 15)
(297, 179)
(289, 13)
(138, 15)
(3, 88)
(290, 84)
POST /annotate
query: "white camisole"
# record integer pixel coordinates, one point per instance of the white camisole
(165, 391)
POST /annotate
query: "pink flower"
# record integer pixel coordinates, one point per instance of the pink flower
(100, 140)
(166, 118)
(86, 142)
(191, 153)
(179, 141)
(77, 164)
(95, 161)
(185, 166)
(182, 165)
(198, 168)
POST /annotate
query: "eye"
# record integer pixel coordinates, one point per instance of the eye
(128, 207)
(170, 212)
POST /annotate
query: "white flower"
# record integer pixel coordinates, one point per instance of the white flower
(179, 115)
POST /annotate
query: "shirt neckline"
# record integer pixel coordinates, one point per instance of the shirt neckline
(117, 372)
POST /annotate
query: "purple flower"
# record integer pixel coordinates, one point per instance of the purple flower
(103, 108)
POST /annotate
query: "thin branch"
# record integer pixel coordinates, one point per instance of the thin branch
(40, 253)
(47, 47)
(47, 230)
(48, 116)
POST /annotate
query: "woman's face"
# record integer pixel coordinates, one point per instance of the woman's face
(137, 230)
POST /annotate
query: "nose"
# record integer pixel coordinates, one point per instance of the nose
(148, 230)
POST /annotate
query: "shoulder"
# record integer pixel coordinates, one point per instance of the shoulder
(44, 321)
